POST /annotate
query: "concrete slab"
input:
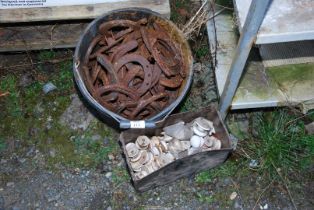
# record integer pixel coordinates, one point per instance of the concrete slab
(285, 21)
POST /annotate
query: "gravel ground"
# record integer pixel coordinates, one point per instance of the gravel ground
(27, 183)
(34, 175)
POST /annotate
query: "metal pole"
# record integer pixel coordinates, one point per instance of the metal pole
(251, 26)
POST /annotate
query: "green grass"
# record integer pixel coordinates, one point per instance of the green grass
(201, 52)
(2, 144)
(33, 89)
(228, 169)
(310, 115)
(174, 16)
(209, 199)
(178, 4)
(119, 175)
(282, 144)
(12, 101)
(19, 116)
(90, 152)
(60, 74)
(187, 105)
(181, 3)
(46, 55)
(64, 79)
(81, 151)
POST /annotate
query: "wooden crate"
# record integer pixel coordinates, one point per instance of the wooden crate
(58, 27)
(186, 166)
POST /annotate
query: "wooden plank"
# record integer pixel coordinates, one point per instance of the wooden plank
(36, 37)
(45, 35)
(78, 11)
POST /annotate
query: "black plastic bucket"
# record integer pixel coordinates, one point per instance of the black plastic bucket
(131, 14)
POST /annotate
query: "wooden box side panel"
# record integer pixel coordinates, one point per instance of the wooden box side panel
(78, 11)
(184, 167)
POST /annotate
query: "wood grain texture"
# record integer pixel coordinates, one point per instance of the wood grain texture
(58, 34)
(37, 37)
(186, 166)
(78, 11)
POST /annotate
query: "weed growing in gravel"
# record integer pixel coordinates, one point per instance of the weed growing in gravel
(12, 101)
(176, 6)
(119, 175)
(64, 80)
(311, 115)
(33, 89)
(202, 51)
(2, 144)
(92, 152)
(46, 55)
(228, 169)
(181, 3)
(282, 144)
(25, 113)
(174, 16)
(60, 73)
(187, 105)
(204, 198)
(78, 150)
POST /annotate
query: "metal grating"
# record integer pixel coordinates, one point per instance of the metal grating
(287, 53)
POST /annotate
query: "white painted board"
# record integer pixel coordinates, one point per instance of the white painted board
(14, 4)
(77, 12)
